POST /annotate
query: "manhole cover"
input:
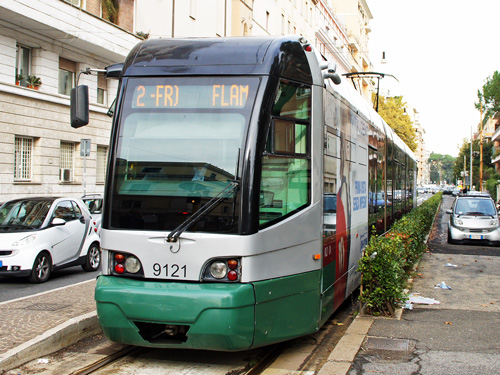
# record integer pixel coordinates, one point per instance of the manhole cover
(382, 343)
(45, 307)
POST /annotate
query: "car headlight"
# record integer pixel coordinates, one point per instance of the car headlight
(25, 241)
(458, 221)
(494, 223)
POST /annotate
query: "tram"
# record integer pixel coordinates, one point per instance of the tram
(244, 180)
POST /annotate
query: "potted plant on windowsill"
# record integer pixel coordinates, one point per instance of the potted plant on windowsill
(37, 83)
(19, 78)
(34, 82)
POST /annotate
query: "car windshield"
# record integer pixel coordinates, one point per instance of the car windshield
(474, 206)
(94, 205)
(24, 214)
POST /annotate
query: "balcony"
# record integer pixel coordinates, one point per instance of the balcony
(68, 24)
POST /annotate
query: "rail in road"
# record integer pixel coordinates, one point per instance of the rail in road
(97, 355)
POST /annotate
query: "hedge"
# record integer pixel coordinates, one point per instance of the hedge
(389, 259)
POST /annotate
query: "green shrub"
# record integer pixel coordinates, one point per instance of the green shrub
(389, 259)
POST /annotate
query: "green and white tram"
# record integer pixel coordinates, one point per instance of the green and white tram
(237, 200)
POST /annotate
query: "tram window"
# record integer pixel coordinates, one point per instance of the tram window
(285, 181)
(285, 187)
(293, 100)
(289, 137)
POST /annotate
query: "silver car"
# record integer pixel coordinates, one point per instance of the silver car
(475, 219)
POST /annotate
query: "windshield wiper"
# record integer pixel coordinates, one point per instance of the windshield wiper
(209, 206)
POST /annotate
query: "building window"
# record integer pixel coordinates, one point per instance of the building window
(67, 72)
(101, 89)
(102, 155)
(267, 21)
(282, 24)
(23, 64)
(23, 159)
(66, 164)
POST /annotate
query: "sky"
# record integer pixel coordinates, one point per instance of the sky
(441, 52)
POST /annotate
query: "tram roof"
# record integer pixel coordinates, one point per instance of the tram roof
(282, 56)
(362, 107)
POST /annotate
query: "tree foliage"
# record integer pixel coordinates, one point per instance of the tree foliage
(489, 97)
(392, 110)
(488, 167)
(441, 167)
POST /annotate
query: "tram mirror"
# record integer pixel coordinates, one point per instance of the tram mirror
(328, 70)
(336, 79)
(79, 111)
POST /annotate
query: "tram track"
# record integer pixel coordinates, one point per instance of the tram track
(97, 356)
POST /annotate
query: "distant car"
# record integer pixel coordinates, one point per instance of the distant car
(456, 191)
(94, 204)
(40, 235)
(448, 190)
(473, 218)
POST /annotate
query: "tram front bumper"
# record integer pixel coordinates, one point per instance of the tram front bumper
(176, 315)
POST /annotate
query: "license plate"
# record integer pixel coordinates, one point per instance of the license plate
(475, 237)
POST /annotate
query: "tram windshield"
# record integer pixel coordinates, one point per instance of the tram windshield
(178, 146)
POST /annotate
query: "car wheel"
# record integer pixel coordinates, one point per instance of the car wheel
(42, 268)
(93, 258)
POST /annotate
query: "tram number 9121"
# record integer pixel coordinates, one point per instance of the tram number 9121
(169, 270)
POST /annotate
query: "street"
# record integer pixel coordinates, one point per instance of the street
(13, 288)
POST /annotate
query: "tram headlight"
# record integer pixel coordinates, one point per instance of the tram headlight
(132, 264)
(125, 264)
(222, 270)
(218, 270)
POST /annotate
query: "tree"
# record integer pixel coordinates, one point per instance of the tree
(489, 97)
(392, 110)
(488, 167)
(441, 168)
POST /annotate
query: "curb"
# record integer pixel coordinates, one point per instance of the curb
(66, 334)
(341, 358)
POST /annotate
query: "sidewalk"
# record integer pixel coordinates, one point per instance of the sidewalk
(460, 335)
(38, 325)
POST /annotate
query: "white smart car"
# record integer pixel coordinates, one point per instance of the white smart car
(39, 235)
(474, 218)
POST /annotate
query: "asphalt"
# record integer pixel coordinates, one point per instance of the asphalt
(460, 335)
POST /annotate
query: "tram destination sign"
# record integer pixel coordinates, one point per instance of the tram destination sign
(217, 95)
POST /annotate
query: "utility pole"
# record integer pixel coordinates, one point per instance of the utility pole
(470, 178)
(465, 171)
(481, 147)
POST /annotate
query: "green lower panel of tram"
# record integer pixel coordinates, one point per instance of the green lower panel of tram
(226, 317)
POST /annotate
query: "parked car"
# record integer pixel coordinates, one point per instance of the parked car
(473, 218)
(40, 235)
(94, 204)
(329, 214)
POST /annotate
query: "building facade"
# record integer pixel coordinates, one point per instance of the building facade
(48, 46)
(51, 41)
